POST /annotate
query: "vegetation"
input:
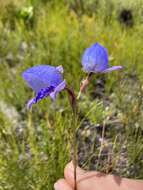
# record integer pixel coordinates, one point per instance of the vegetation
(34, 146)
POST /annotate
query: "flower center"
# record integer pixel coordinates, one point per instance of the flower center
(44, 93)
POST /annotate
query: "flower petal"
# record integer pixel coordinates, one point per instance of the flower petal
(31, 102)
(59, 88)
(112, 69)
(40, 95)
(95, 58)
(42, 76)
(60, 69)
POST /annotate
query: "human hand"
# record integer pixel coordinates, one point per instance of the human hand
(93, 180)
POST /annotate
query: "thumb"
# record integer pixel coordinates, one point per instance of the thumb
(69, 173)
(62, 184)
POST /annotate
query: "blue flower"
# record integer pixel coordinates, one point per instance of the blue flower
(45, 80)
(95, 60)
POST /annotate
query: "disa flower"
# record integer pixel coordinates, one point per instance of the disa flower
(45, 80)
(95, 60)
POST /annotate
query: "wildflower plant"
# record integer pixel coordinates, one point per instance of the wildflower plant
(48, 81)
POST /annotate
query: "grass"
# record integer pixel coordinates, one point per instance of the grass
(34, 147)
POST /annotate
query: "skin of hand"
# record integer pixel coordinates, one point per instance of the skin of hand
(92, 180)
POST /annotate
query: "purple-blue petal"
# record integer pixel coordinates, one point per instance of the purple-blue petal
(44, 93)
(59, 88)
(95, 59)
(112, 69)
(31, 102)
(42, 76)
(60, 69)
(40, 95)
(45, 80)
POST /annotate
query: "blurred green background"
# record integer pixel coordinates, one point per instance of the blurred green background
(34, 147)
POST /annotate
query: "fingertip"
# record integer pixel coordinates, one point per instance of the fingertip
(70, 168)
(61, 184)
(69, 173)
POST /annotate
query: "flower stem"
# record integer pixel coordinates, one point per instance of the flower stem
(75, 160)
(73, 102)
(84, 84)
